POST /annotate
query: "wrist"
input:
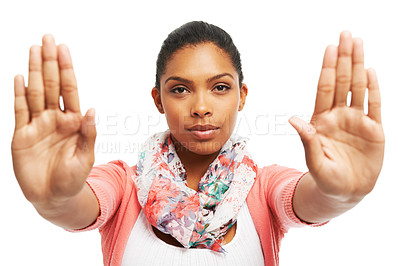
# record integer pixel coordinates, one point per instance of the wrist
(336, 196)
(314, 205)
(74, 212)
(52, 207)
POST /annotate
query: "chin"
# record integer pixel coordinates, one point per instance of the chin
(200, 147)
(206, 148)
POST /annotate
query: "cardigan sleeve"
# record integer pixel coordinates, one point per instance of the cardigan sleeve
(281, 185)
(108, 182)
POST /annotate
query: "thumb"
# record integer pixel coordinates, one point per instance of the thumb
(88, 137)
(312, 145)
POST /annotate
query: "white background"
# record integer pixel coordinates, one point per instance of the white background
(114, 45)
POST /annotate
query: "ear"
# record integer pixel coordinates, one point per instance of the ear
(155, 93)
(243, 94)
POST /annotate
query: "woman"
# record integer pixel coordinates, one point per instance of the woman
(195, 184)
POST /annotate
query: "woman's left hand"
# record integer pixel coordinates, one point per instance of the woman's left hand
(344, 147)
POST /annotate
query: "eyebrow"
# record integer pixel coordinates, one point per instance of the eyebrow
(191, 82)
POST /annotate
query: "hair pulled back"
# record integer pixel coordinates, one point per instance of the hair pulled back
(193, 33)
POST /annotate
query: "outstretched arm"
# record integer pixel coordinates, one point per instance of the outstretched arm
(53, 149)
(343, 146)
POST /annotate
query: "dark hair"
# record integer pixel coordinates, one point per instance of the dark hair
(193, 33)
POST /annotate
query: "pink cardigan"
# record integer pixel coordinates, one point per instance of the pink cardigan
(269, 202)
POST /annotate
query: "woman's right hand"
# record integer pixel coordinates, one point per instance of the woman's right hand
(52, 149)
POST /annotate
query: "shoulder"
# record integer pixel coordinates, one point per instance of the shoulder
(116, 167)
(114, 172)
(274, 189)
(275, 181)
(269, 174)
(111, 181)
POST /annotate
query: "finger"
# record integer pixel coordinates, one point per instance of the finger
(359, 79)
(374, 96)
(20, 104)
(51, 76)
(88, 137)
(69, 89)
(312, 146)
(344, 68)
(35, 90)
(326, 83)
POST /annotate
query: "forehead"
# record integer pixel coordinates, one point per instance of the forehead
(199, 59)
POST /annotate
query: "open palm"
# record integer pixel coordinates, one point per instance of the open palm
(344, 147)
(52, 149)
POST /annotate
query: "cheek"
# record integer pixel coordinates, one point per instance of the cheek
(175, 117)
(230, 121)
(230, 111)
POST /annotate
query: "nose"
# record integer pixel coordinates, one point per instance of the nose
(201, 105)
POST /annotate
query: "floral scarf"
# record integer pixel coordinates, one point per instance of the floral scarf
(200, 218)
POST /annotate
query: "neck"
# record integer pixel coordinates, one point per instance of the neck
(195, 164)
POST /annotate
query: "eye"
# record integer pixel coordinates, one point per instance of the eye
(221, 88)
(179, 90)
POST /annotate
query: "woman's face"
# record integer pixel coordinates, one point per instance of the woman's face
(200, 96)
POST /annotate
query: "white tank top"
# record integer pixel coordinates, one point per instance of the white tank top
(145, 248)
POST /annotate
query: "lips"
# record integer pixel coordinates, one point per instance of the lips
(203, 132)
(202, 127)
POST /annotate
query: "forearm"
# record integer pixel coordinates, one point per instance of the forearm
(312, 205)
(77, 212)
